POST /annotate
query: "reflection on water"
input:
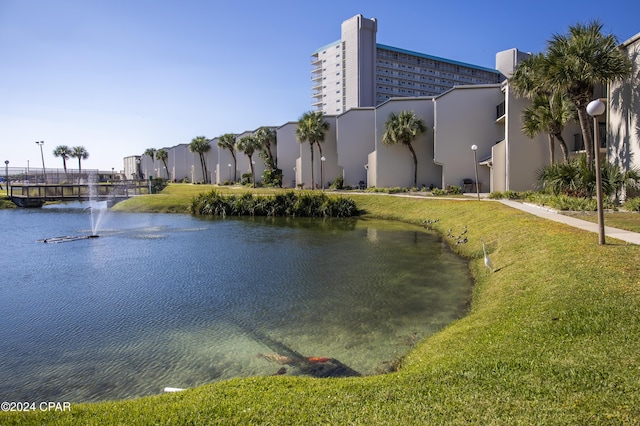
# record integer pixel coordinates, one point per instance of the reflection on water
(171, 300)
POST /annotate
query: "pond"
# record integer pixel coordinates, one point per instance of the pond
(164, 300)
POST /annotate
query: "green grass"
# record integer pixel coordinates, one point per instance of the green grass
(6, 203)
(622, 220)
(552, 337)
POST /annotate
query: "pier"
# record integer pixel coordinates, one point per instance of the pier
(35, 195)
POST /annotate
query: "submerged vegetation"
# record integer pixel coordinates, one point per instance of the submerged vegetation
(289, 203)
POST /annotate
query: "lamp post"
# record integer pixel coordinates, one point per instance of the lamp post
(595, 109)
(44, 173)
(229, 166)
(322, 160)
(474, 148)
(6, 175)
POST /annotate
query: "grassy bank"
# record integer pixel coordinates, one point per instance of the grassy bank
(552, 338)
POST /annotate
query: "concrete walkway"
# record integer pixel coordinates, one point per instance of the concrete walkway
(620, 234)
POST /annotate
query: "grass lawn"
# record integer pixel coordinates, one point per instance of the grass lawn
(622, 220)
(552, 337)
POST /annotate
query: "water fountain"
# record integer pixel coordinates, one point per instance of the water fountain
(96, 209)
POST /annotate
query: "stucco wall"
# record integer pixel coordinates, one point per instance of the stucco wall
(356, 133)
(464, 116)
(288, 151)
(394, 163)
(179, 162)
(525, 156)
(623, 133)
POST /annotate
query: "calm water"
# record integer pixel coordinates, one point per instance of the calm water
(172, 300)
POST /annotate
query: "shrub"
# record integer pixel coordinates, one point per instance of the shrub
(272, 177)
(574, 178)
(455, 190)
(338, 183)
(510, 195)
(158, 184)
(290, 203)
(632, 204)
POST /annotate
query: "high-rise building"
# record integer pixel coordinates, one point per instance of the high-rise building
(356, 71)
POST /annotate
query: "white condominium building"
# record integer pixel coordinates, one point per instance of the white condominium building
(356, 71)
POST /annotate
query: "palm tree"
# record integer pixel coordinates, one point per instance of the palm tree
(163, 155)
(64, 152)
(151, 152)
(267, 136)
(228, 141)
(80, 153)
(312, 128)
(404, 128)
(249, 145)
(573, 65)
(549, 113)
(201, 145)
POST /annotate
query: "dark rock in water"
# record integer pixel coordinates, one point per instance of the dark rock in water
(67, 238)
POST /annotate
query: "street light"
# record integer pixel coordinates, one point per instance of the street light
(229, 166)
(474, 148)
(44, 173)
(6, 174)
(322, 160)
(595, 109)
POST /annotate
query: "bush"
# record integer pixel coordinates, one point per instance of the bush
(338, 183)
(455, 190)
(565, 202)
(632, 204)
(272, 177)
(158, 184)
(575, 179)
(290, 203)
(509, 195)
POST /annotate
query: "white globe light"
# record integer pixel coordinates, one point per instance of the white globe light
(596, 108)
(474, 147)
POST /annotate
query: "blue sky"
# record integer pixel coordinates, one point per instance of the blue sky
(121, 76)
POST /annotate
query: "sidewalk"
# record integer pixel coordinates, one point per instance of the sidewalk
(620, 234)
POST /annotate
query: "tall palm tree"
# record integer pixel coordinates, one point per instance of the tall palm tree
(267, 136)
(404, 128)
(163, 155)
(80, 153)
(312, 128)
(249, 145)
(581, 60)
(201, 145)
(549, 113)
(151, 152)
(64, 152)
(573, 65)
(228, 142)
